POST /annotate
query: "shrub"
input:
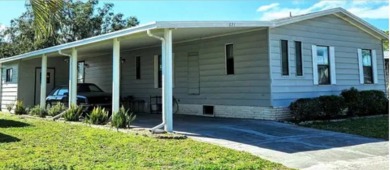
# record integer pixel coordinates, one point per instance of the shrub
(56, 109)
(306, 109)
(352, 101)
(373, 102)
(98, 116)
(332, 106)
(19, 108)
(370, 102)
(37, 111)
(122, 118)
(73, 113)
(9, 107)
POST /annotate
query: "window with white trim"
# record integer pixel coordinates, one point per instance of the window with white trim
(324, 65)
(367, 66)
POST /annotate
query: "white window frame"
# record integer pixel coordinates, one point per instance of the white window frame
(332, 65)
(373, 65)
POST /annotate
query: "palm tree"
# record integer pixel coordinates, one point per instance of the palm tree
(45, 12)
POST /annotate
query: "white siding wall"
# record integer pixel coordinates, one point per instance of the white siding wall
(249, 86)
(27, 76)
(9, 92)
(327, 31)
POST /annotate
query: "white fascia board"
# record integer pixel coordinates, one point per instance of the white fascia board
(364, 23)
(212, 24)
(82, 42)
(137, 29)
(278, 23)
(335, 11)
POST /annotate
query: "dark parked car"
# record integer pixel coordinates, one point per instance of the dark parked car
(88, 95)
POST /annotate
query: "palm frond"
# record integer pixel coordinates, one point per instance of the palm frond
(45, 12)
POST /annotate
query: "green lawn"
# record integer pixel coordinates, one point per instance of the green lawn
(38, 144)
(376, 127)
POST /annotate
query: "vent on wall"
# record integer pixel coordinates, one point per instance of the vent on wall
(208, 110)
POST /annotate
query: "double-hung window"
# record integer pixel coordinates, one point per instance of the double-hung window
(324, 65)
(367, 66)
(323, 68)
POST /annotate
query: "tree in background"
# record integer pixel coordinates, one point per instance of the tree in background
(75, 20)
(386, 43)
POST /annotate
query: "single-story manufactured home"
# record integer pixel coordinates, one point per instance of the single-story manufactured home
(241, 69)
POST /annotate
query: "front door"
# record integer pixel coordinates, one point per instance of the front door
(50, 78)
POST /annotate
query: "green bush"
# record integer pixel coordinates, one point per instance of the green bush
(369, 102)
(361, 103)
(73, 113)
(332, 106)
(37, 111)
(306, 109)
(122, 118)
(352, 101)
(98, 116)
(56, 109)
(373, 102)
(19, 108)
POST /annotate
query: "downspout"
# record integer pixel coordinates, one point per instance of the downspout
(63, 54)
(161, 125)
(59, 115)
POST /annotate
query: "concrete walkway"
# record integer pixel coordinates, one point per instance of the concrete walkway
(290, 145)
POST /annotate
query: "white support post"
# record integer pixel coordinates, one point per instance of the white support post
(167, 81)
(70, 81)
(73, 78)
(42, 102)
(115, 76)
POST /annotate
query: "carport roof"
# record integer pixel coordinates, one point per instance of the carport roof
(233, 25)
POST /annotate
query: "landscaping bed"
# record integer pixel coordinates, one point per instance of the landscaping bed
(27, 143)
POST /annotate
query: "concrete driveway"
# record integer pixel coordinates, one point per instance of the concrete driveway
(290, 145)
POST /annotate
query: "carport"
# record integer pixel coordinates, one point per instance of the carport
(149, 35)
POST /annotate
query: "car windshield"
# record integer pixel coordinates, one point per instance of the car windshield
(88, 88)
